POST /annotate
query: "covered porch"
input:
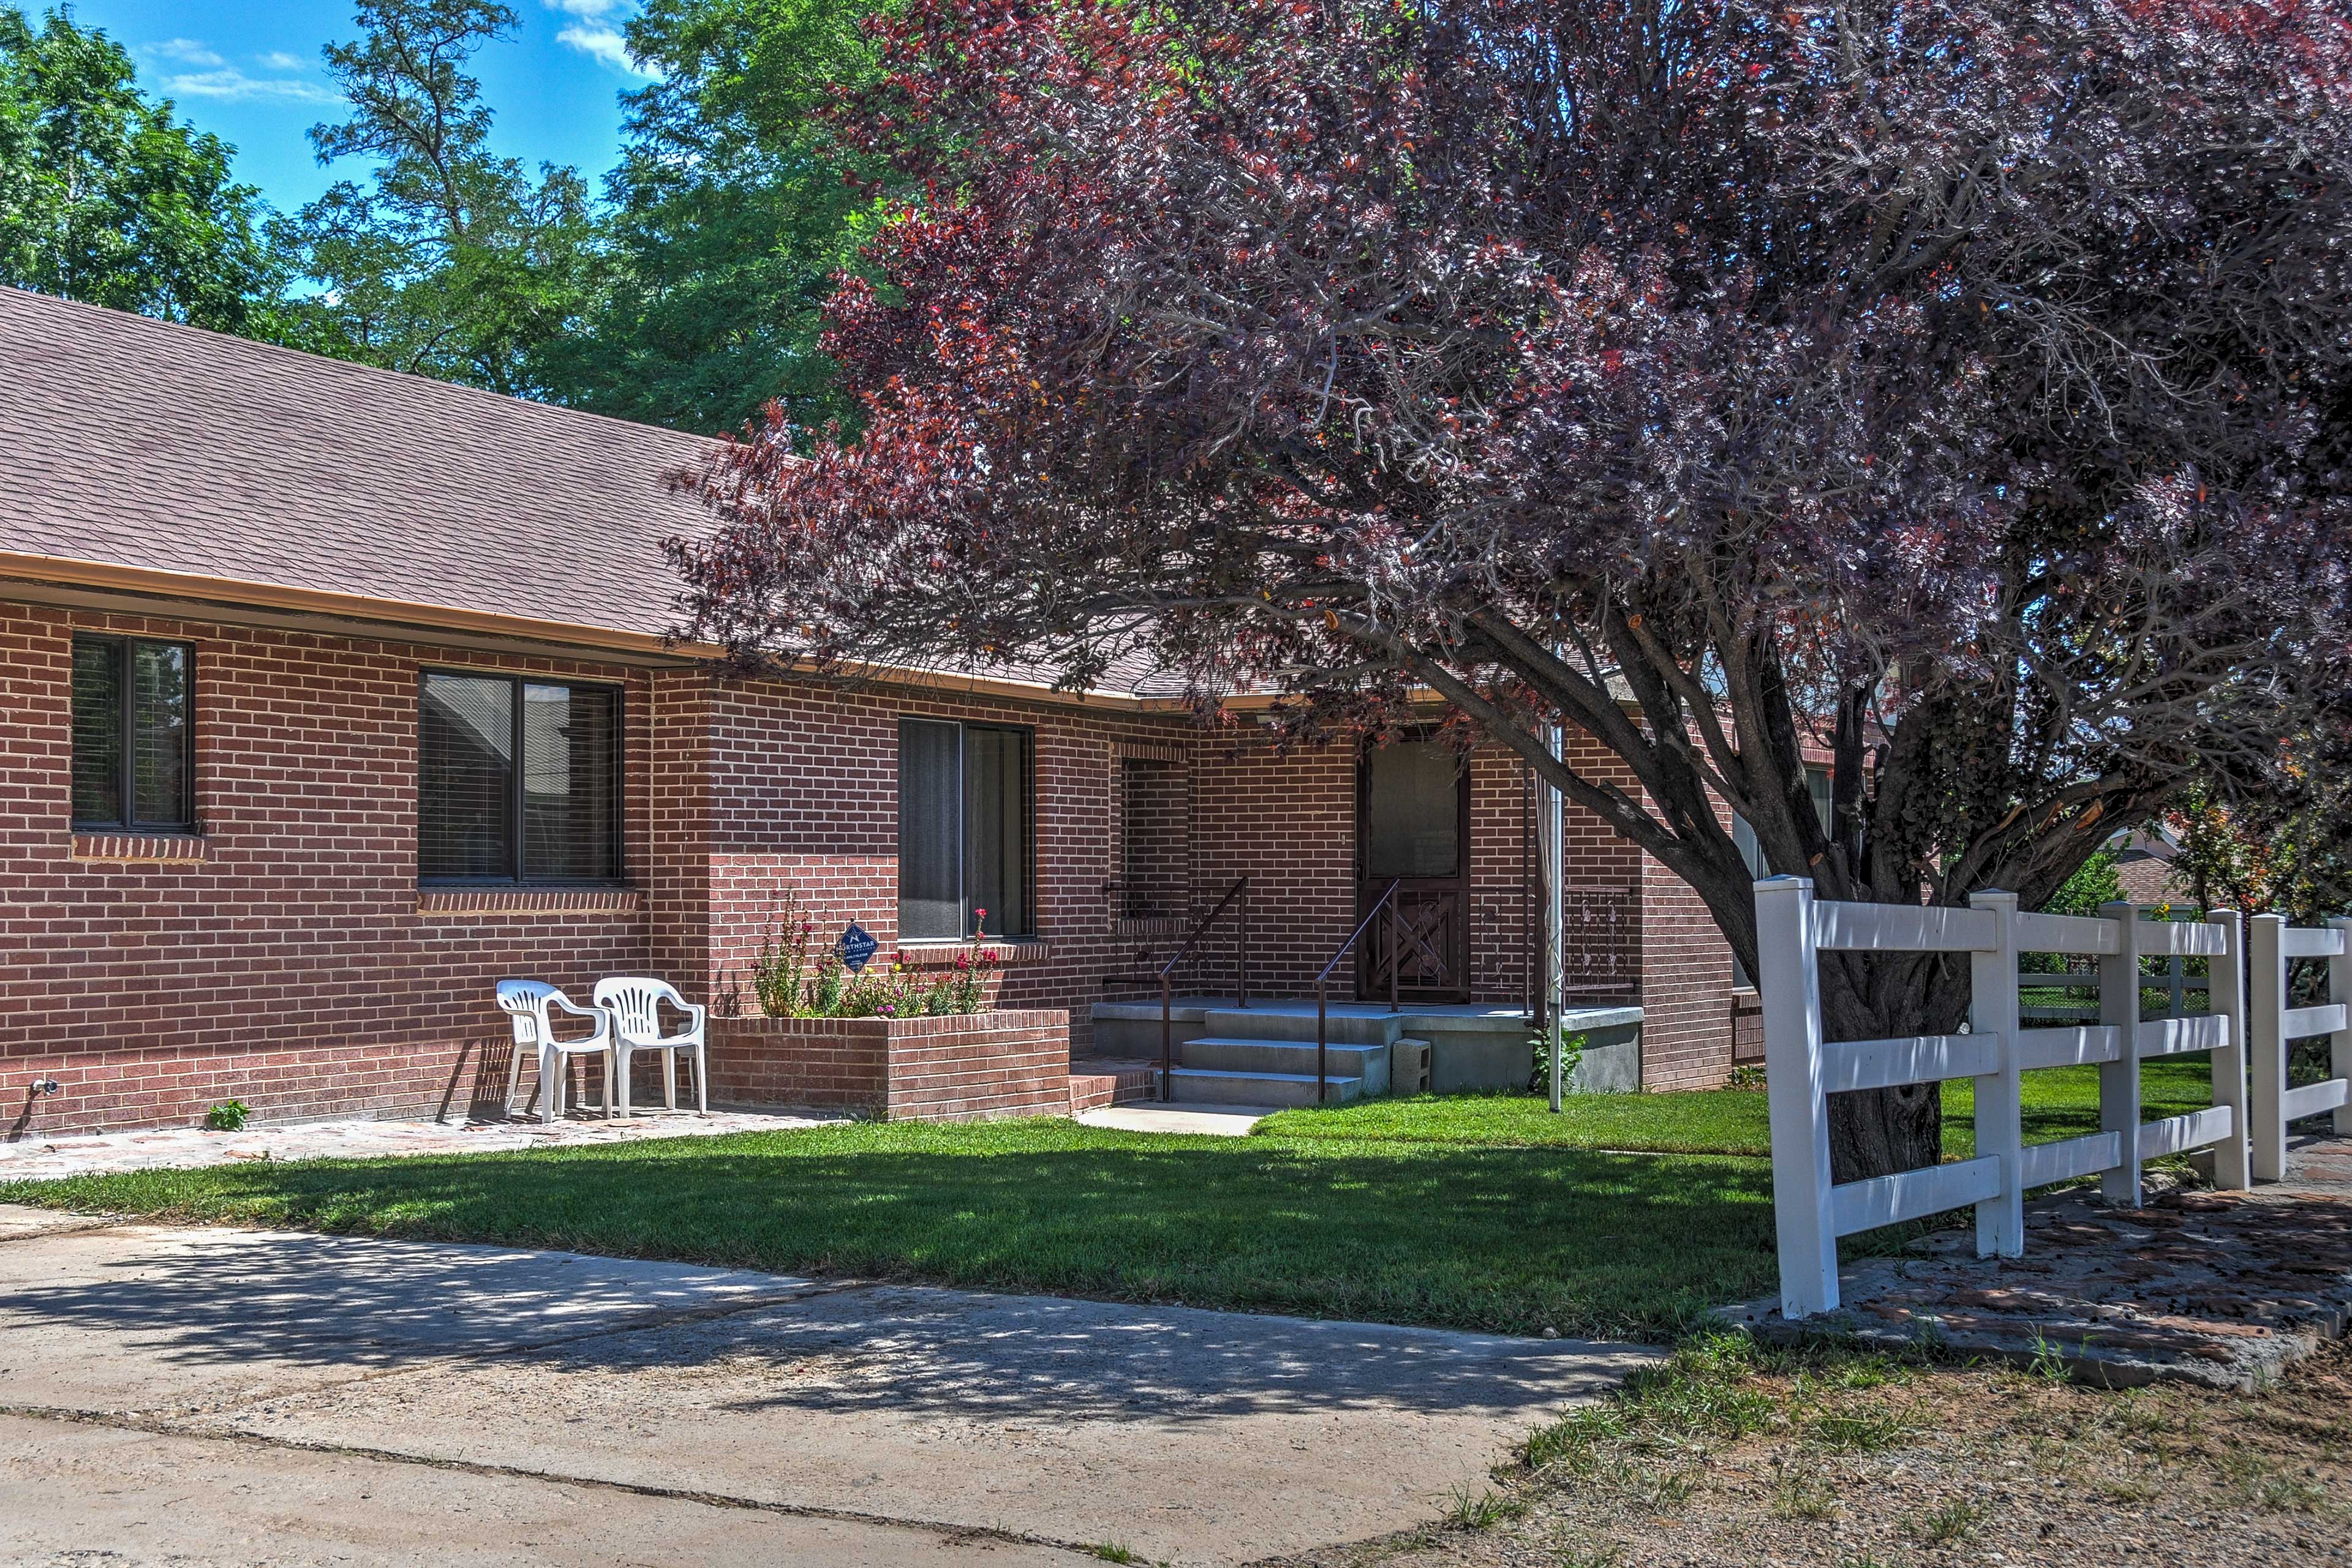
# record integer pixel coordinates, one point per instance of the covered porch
(1222, 1050)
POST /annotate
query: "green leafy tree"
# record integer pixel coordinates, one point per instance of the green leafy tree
(451, 261)
(2283, 850)
(733, 208)
(104, 197)
(2095, 884)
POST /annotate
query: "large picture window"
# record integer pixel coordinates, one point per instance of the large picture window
(964, 830)
(135, 734)
(517, 781)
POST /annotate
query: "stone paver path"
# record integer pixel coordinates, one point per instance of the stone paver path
(2221, 1289)
(271, 1397)
(39, 1158)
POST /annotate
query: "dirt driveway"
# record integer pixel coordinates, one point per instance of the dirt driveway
(224, 1396)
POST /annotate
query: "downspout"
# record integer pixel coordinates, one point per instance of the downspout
(1551, 827)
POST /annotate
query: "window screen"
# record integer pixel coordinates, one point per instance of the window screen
(996, 829)
(1413, 811)
(480, 816)
(964, 830)
(97, 732)
(931, 830)
(572, 749)
(133, 733)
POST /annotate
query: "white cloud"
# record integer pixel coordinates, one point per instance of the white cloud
(596, 33)
(605, 44)
(279, 60)
(232, 85)
(188, 51)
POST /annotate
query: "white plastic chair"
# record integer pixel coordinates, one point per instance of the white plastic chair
(634, 1003)
(527, 1003)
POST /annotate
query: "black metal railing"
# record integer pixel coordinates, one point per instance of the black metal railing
(1398, 930)
(1237, 899)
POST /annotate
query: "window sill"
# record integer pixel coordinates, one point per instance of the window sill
(126, 846)
(1009, 950)
(529, 901)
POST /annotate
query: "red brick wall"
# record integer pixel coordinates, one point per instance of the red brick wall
(293, 964)
(1287, 822)
(802, 784)
(932, 1069)
(997, 1064)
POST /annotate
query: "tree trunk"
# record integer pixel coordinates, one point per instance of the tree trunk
(1877, 1131)
(1871, 996)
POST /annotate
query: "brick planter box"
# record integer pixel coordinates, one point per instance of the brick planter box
(960, 1067)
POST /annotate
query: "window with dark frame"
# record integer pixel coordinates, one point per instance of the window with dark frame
(518, 780)
(965, 828)
(135, 734)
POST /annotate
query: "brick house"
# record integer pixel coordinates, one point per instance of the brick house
(333, 695)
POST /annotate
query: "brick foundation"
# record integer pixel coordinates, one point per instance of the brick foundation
(955, 1068)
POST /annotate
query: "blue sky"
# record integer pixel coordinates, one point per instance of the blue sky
(250, 74)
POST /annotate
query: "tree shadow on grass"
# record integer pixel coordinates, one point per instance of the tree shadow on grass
(1485, 1240)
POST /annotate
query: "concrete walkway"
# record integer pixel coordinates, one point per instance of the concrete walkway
(217, 1396)
(41, 1158)
(1213, 1121)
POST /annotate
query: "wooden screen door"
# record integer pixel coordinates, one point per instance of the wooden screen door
(1413, 822)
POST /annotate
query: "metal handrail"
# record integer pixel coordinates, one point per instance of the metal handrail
(1386, 901)
(1240, 890)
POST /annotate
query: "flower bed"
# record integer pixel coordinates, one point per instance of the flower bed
(955, 1067)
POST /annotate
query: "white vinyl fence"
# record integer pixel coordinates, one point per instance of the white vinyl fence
(2273, 1026)
(1802, 1069)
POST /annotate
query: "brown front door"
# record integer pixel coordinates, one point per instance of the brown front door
(1412, 827)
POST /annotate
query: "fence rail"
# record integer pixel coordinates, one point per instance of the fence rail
(2274, 1027)
(2245, 1013)
(2247, 1027)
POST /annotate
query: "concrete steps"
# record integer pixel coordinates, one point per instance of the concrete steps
(1207, 1086)
(1277, 1067)
(1284, 1057)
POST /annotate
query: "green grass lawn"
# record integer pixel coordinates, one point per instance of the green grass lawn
(2064, 1102)
(2059, 1103)
(1700, 1122)
(1469, 1211)
(1495, 1237)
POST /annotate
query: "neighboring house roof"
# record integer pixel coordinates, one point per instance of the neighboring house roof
(2157, 841)
(154, 446)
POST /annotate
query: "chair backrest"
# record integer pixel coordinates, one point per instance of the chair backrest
(526, 1004)
(635, 1001)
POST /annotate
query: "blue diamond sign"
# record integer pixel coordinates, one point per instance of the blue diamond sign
(858, 945)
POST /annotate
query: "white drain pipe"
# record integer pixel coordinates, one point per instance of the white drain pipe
(1551, 832)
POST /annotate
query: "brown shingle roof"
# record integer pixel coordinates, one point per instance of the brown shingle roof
(143, 444)
(131, 443)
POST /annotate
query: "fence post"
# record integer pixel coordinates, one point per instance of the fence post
(2119, 1079)
(2225, 992)
(2001, 1111)
(2339, 1044)
(2266, 1043)
(1788, 972)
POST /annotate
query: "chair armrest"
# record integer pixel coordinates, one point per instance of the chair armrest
(604, 1019)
